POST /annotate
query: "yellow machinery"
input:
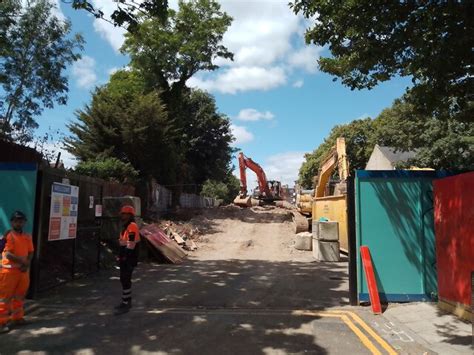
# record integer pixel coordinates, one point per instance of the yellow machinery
(322, 202)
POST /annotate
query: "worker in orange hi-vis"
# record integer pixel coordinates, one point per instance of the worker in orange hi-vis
(16, 253)
(128, 256)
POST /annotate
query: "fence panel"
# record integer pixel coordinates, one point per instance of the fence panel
(62, 260)
(394, 217)
(454, 227)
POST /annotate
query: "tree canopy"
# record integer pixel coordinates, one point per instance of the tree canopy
(36, 47)
(205, 138)
(225, 190)
(111, 169)
(168, 54)
(439, 144)
(124, 123)
(373, 41)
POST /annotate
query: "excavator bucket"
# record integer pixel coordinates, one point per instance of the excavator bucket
(243, 201)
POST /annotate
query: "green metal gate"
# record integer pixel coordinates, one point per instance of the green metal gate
(17, 192)
(394, 218)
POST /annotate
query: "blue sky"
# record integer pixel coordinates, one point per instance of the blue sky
(280, 104)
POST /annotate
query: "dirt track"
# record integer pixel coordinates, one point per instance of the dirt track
(247, 234)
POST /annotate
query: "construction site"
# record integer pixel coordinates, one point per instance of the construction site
(265, 274)
(218, 177)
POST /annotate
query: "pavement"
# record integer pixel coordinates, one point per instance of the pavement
(208, 307)
(426, 324)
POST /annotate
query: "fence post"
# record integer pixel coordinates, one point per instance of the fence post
(38, 232)
(352, 244)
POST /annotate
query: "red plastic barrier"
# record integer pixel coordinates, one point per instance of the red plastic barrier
(454, 229)
(371, 282)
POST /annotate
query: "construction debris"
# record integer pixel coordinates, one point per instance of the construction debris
(161, 245)
(190, 245)
(182, 233)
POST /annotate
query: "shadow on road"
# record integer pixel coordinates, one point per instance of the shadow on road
(212, 307)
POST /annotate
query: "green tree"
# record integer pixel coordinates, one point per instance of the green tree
(36, 49)
(8, 11)
(225, 190)
(204, 140)
(373, 41)
(111, 169)
(124, 123)
(215, 189)
(439, 144)
(168, 54)
(359, 135)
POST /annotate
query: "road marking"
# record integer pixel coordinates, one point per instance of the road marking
(393, 332)
(369, 330)
(362, 337)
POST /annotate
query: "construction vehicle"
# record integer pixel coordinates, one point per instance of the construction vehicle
(326, 200)
(267, 191)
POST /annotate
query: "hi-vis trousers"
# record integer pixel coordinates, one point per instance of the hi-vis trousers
(13, 288)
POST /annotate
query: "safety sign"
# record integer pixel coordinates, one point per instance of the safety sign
(63, 213)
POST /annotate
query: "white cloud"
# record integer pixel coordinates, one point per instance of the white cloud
(234, 80)
(57, 10)
(261, 31)
(306, 58)
(251, 114)
(241, 134)
(284, 166)
(113, 35)
(84, 72)
(298, 84)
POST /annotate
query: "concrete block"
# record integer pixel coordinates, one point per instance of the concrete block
(111, 205)
(304, 241)
(326, 231)
(326, 251)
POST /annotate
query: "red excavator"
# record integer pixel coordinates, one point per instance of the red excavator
(267, 191)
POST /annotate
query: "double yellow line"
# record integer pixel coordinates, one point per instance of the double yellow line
(361, 329)
(350, 318)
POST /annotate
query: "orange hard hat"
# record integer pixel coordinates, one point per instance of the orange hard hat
(128, 209)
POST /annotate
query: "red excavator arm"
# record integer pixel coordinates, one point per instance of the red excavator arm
(244, 163)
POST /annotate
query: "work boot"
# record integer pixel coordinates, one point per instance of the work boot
(123, 304)
(4, 329)
(123, 308)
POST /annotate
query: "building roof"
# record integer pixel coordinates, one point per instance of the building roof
(395, 156)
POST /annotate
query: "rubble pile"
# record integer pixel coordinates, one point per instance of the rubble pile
(184, 234)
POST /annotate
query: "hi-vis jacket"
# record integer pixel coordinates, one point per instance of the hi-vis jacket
(129, 238)
(18, 244)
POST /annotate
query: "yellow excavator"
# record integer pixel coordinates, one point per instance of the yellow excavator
(325, 200)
